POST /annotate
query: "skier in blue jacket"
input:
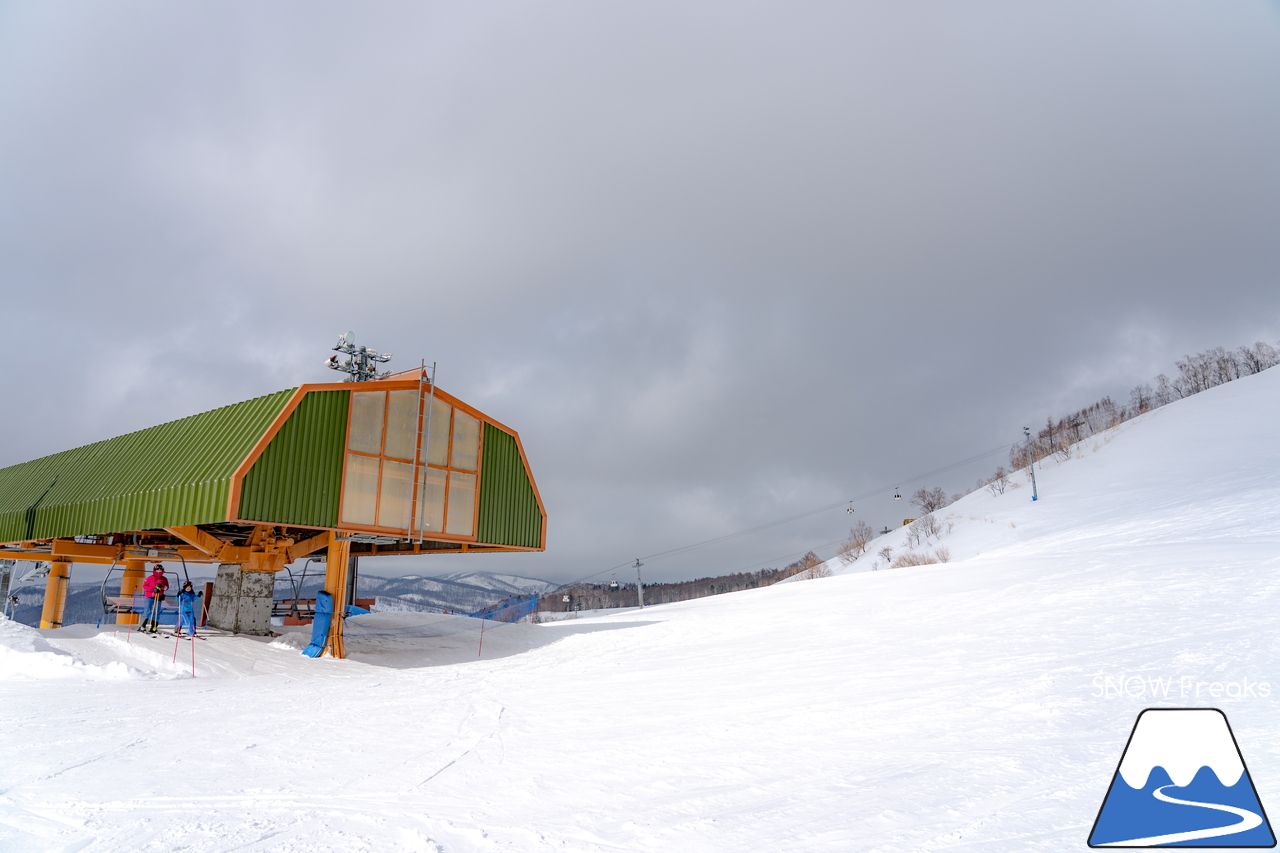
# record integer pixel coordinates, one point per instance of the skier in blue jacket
(187, 609)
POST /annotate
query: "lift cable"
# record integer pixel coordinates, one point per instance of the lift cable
(789, 519)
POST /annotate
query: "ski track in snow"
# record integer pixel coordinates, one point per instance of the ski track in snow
(938, 708)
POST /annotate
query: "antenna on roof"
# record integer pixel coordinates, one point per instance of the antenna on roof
(363, 362)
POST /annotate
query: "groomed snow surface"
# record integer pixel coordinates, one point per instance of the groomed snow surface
(981, 704)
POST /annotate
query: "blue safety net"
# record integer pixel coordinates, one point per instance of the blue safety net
(511, 610)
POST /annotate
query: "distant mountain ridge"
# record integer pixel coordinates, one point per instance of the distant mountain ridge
(459, 591)
(463, 591)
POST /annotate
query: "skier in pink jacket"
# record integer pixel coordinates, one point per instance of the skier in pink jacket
(153, 588)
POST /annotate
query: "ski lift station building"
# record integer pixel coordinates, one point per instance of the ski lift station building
(335, 471)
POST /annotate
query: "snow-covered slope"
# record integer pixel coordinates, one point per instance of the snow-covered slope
(1198, 474)
(981, 704)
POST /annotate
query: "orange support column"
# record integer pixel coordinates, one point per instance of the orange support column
(336, 576)
(134, 572)
(55, 594)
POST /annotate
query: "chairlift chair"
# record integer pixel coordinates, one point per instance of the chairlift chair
(110, 608)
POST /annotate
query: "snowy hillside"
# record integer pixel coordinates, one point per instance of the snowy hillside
(1192, 477)
(489, 585)
(977, 705)
(461, 591)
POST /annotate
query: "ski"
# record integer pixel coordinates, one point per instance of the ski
(165, 635)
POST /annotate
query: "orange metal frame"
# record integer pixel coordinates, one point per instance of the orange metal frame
(268, 546)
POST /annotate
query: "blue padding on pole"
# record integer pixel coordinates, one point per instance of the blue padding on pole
(320, 625)
(352, 610)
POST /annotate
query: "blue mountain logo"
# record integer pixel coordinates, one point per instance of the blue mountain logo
(1181, 783)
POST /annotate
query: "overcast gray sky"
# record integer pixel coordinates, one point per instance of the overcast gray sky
(719, 263)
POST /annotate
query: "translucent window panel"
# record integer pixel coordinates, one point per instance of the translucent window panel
(366, 421)
(394, 506)
(402, 424)
(438, 453)
(431, 506)
(462, 503)
(466, 442)
(360, 489)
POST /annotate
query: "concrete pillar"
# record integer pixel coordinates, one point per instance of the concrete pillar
(55, 593)
(226, 595)
(6, 575)
(134, 572)
(242, 601)
(337, 573)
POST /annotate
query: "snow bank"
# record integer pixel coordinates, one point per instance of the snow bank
(26, 655)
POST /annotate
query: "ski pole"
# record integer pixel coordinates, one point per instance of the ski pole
(193, 655)
(481, 637)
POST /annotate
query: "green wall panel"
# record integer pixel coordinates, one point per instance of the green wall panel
(509, 513)
(173, 474)
(298, 478)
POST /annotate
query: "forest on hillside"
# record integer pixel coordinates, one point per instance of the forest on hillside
(600, 596)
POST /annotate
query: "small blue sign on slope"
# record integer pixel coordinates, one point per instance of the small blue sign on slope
(1182, 782)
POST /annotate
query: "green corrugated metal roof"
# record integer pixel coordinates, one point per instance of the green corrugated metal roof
(298, 477)
(509, 513)
(173, 474)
